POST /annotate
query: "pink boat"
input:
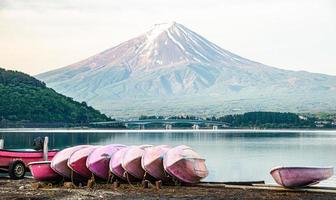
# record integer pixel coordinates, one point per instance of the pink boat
(152, 161)
(300, 176)
(42, 171)
(98, 161)
(77, 161)
(116, 167)
(131, 161)
(60, 162)
(15, 162)
(183, 163)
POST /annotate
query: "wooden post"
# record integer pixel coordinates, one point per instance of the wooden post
(158, 185)
(145, 184)
(45, 148)
(2, 143)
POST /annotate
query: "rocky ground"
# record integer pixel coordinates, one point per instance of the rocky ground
(30, 189)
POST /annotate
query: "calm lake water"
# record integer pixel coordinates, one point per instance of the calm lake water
(230, 155)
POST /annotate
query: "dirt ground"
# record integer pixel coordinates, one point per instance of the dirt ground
(26, 189)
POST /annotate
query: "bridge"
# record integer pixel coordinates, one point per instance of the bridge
(168, 123)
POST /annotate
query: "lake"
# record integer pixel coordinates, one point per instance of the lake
(231, 155)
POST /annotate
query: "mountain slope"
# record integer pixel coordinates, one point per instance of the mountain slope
(26, 99)
(171, 69)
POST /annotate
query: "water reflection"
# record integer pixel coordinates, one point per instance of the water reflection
(230, 156)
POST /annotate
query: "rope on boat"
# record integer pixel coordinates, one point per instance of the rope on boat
(144, 176)
(93, 178)
(128, 180)
(110, 178)
(72, 179)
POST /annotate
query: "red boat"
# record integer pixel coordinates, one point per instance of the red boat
(15, 162)
(42, 171)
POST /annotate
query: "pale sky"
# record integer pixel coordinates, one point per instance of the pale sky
(40, 35)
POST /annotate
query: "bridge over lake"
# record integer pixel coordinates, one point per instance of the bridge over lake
(168, 123)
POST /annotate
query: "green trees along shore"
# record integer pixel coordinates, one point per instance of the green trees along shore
(24, 99)
(263, 120)
(27, 102)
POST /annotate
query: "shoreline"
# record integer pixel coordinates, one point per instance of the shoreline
(26, 189)
(88, 130)
(72, 130)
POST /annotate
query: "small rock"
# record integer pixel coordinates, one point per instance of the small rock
(36, 186)
(116, 184)
(21, 187)
(69, 185)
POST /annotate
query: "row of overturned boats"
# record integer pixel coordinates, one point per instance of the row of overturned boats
(117, 162)
(124, 163)
(180, 164)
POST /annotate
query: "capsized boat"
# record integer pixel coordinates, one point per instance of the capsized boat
(116, 167)
(183, 163)
(131, 161)
(77, 161)
(300, 176)
(60, 161)
(98, 161)
(152, 161)
(42, 171)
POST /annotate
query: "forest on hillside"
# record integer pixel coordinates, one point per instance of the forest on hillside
(26, 100)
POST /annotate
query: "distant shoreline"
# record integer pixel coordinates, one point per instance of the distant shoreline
(71, 130)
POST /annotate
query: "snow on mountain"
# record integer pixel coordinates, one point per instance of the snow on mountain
(173, 70)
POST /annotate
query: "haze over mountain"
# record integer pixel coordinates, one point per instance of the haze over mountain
(173, 70)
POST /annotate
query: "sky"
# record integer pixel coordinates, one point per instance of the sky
(40, 35)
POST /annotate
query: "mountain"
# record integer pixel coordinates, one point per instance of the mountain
(173, 70)
(24, 99)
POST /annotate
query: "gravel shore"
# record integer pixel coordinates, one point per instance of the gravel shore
(27, 189)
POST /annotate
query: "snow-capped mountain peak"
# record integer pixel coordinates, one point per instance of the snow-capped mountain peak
(172, 63)
(188, 46)
(158, 29)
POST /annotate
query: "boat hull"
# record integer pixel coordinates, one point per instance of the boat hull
(60, 162)
(116, 168)
(300, 176)
(152, 162)
(185, 164)
(77, 161)
(133, 167)
(98, 161)
(131, 161)
(42, 171)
